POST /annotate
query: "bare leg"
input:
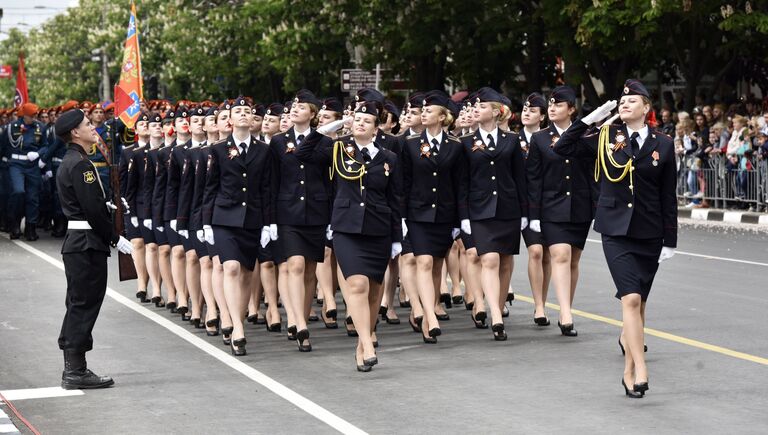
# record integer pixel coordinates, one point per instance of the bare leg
(356, 292)
(454, 270)
(634, 338)
(285, 295)
(427, 293)
(575, 257)
(140, 262)
(506, 264)
(178, 263)
(269, 283)
(390, 283)
(164, 260)
(490, 278)
(561, 278)
(193, 283)
(536, 278)
(206, 270)
(326, 281)
(295, 269)
(473, 280)
(153, 268)
(217, 281)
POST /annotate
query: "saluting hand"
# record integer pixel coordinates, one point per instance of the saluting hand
(600, 113)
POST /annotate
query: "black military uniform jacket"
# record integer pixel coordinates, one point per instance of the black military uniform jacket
(495, 185)
(192, 188)
(162, 162)
(558, 187)
(369, 208)
(431, 179)
(150, 171)
(649, 210)
(122, 169)
(82, 199)
(239, 189)
(176, 159)
(384, 140)
(304, 188)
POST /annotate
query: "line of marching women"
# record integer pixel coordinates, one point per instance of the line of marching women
(236, 204)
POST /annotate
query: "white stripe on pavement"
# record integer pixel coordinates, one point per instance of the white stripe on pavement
(39, 393)
(708, 257)
(8, 428)
(260, 378)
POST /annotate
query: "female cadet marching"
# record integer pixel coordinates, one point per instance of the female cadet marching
(493, 202)
(302, 209)
(237, 204)
(559, 191)
(433, 165)
(533, 115)
(636, 211)
(365, 220)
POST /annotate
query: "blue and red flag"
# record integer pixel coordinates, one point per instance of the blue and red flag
(128, 92)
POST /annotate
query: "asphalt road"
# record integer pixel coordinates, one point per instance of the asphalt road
(171, 378)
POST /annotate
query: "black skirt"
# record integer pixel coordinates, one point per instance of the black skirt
(131, 232)
(572, 233)
(210, 249)
(467, 240)
(357, 254)
(238, 244)
(174, 239)
(307, 241)
(430, 239)
(407, 245)
(188, 243)
(161, 238)
(271, 253)
(147, 234)
(201, 248)
(532, 237)
(633, 263)
(501, 236)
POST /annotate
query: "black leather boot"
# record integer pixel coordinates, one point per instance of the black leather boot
(76, 375)
(30, 233)
(3, 223)
(59, 226)
(15, 229)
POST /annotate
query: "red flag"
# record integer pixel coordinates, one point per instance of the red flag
(128, 98)
(6, 71)
(22, 94)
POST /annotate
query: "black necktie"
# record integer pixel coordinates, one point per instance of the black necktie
(634, 144)
(491, 143)
(435, 145)
(244, 146)
(299, 139)
(366, 155)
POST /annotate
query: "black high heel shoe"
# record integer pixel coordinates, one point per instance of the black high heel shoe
(370, 362)
(274, 327)
(621, 346)
(142, 296)
(443, 316)
(292, 333)
(567, 329)
(362, 367)
(238, 347)
(468, 306)
(435, 332)
(350, 332)
(428, 339)
(510, 298)
(197, 323)
(540, 321)
(301, 337)
(212, 324)
(505, 312)
(416, 326)
(498, 332)
(391, 320)
(641, 388)
(252, 318)
(632, 394)
(445, 298)
(331, 323)
(383, 312)
(226, 338)
(183, 311)
(158, 301)
(479, 320)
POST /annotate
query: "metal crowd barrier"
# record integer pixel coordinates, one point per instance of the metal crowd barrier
(722, 182)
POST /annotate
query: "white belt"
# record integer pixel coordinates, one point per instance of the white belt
(19, 157)
(79, 225)
(56, 160)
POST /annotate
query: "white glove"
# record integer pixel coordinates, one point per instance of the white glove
(397, 248)
(405, 229)
(265, 237)
(125, 205)
(183, 233)
(33, 155)
(208, 231)
(465, 226)
(200, 235)
(329, 233)
(124, 246)
(135, 221)
(40, 164)
(535, 226)
(148, 224)
(523, 223)
(173, 224)
(666, 253)
(161, 229)
(455, 233)
(48, 175)
(331, 127)
(273, 232)
(600, 113)
(110, 206)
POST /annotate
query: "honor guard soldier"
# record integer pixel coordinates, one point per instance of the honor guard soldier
(636, 211)
(90, 234)
(23, 142)
(55, 155)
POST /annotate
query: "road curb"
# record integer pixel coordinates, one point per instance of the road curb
(717, 215)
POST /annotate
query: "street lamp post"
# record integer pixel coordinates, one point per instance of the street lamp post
(100, 54)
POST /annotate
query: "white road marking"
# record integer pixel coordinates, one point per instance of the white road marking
(8, 428)
(39, 393)
(260, 378)
(708, 257)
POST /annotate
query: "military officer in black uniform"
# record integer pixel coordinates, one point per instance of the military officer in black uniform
(238, 202)
(559, 193)
(636, 211)
(366, 217)
(85, 250)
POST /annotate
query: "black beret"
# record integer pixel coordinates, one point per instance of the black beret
(369, 107)
(488, 95)
(213, 111)
(287, 106)
(275, 109)
(197, 111)
(536, 100)
(333, 105)
(506, 101)
(563, 93)
(370, 94)
(225, 105)
(155, 118)
(258, 110)
(416, 100)
(169, 116)
(182, 112)
(634, 87)
(454, 108)
(240, 101)
(436, 98)
(68, 121)
(306, 96)
(391, 108)
(144, 116)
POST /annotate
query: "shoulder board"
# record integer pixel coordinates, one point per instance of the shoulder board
(413, 136)
(467, 135)
(453, 138)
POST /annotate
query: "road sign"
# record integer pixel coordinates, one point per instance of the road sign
(353, 80)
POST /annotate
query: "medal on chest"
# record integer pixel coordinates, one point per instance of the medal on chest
(232, 152)
(478, 145)
(290, 147)
(620, 144)
(655, 156)
(424, 148)
(386, 169)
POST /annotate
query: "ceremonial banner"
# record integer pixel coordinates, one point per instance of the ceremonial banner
(6, 71)
(22, 94)
(128, 92)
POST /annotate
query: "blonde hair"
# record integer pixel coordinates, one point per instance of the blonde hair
(448, 116)
(740, 119)
(500, 107)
